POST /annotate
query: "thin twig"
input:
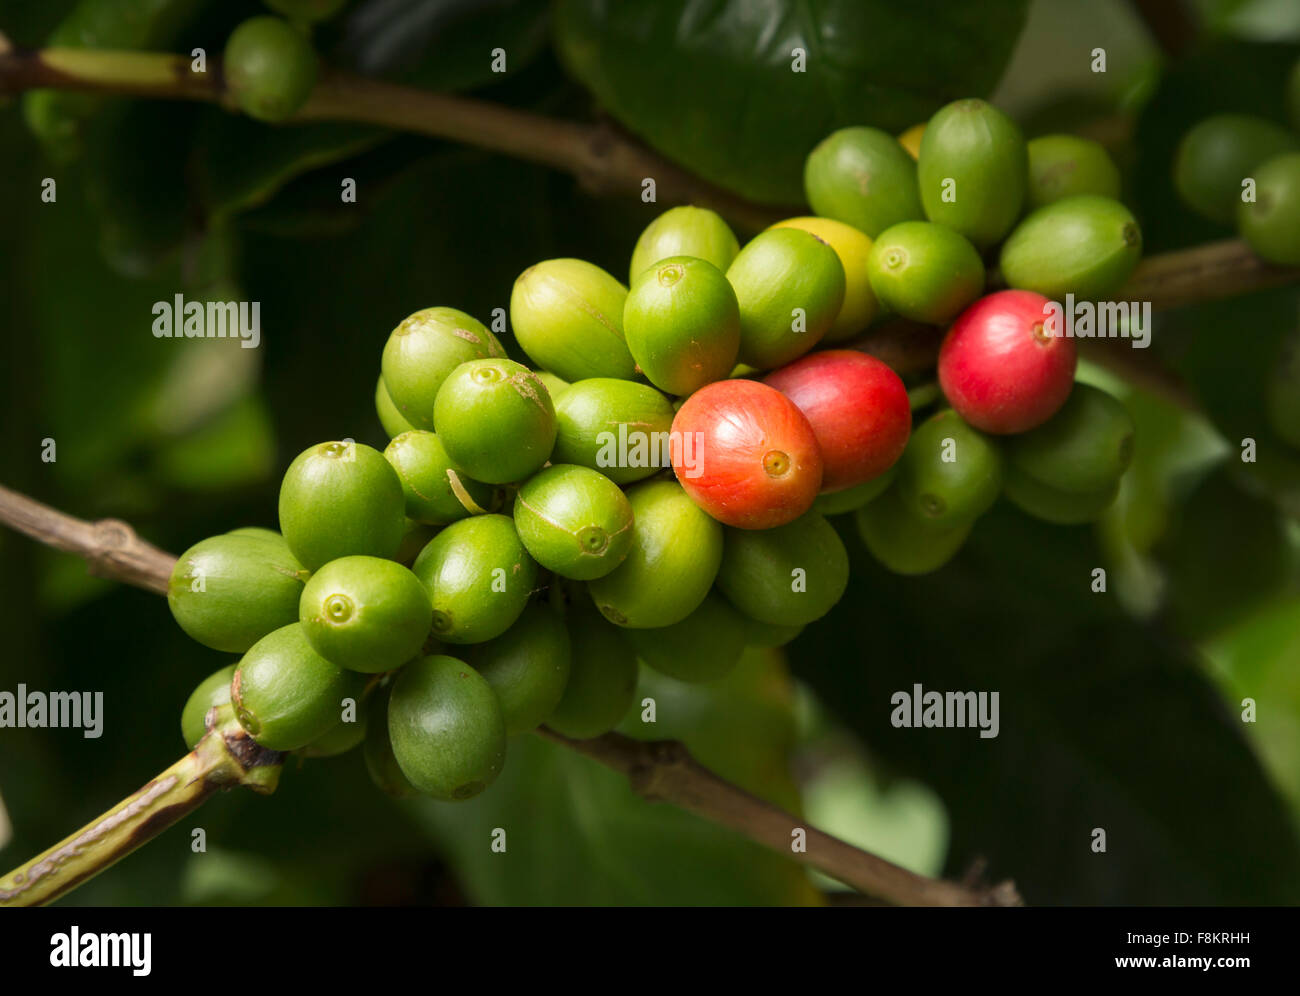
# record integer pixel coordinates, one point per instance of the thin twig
(660, 770)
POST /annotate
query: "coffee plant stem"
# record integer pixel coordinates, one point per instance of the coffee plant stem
(224, 758)
(661, 770)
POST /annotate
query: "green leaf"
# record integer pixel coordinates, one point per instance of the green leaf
(709, 83)
(1103, 724)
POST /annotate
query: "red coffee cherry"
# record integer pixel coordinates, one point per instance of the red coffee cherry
(858, 410)
(746, 454)
(1002, 367)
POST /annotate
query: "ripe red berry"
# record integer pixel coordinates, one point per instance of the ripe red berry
(858, 410)
(746, 454)
(1000, 365)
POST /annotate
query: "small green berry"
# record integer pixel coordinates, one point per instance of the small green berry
(270, 68)
(214, 690)
(496, 420)
(574, 521)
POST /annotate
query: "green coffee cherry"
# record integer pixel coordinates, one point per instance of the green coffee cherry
(1084, 447)
(950, 473)
(435, 491)
(1086, 246)
(270, 68)
(1062, 166)
(925, 272)
(674, 556)
(496, 420)
(973, 171)
(342, 738)
(852, 499)
(864, 178)
(377, 748)
(390, 418)
(684, 231)
(574, 521)
(567, 315)
(1217, 154)
(1271, 223)
(602, 677)
(790, 286)
(791, 575)
(904, 542)
(554, 384)
(306, 11)
(415, 538)
(527, 667)
(1282, 392)
(478, 576)
(365, 614)
(285, 694)
(227, 592)
(422, 352)
(214, 690)
(338, 499)
(260, 532)
(853, 247)
(682, 324)
(614, 426)
(763, 634)
(446, 727)
(1062, 508)
(704, 646)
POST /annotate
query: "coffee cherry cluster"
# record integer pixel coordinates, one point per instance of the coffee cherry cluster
(1244, 170)
(655, 488)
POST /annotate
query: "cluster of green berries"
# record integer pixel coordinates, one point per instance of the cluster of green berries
(655, 487)
(1244, 170)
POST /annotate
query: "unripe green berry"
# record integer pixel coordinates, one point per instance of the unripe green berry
(864, 178)
(365, 614)
(393, 421)
(1271, 223)
(478, 576)
(614, 426)
(1085, 447)
(704, 646)
(422, 352)
(1217, 154)
(973, 171)
(343, 737)
(214, 690)
(905, 543)
(496, 420)
(338, 499)
(791, 575)
(1062, 166)
(377, 748)
(574, 521)
(674, 557)
(270, 68)
(1086, 246)
(1062, 508)
(527, 667)
(853, 247)
(925, 272)
(227, 592)
(436, 492)
(852, 499)
(567, 315)
(446, 727)
(790, 286)
(682, 324)
(684, 231)
(602, 677)
(950, 473)
(764, 634)
(286, 695)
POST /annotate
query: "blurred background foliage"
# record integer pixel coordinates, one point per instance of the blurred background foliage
(1119, 710)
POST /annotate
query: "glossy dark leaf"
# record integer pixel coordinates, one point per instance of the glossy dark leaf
(710, 83)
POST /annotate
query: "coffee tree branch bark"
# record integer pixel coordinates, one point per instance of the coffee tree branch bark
(659, 771)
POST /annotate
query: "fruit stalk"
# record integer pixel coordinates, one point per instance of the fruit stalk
(662, 770)
(224, 758)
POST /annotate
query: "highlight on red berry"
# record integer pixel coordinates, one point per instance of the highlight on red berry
(746, 454)
(1002, 367)
(858, 410)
